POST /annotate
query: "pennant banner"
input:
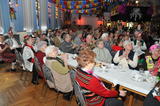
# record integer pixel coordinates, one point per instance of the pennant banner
(84, 6)
(78, 4)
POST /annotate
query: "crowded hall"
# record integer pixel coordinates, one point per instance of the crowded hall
(80, 52)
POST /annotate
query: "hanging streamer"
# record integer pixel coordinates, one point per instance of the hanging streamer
(85, 6)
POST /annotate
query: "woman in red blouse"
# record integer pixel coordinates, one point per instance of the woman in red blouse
(96, 93)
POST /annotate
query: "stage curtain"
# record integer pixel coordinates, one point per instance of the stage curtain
(18, 22)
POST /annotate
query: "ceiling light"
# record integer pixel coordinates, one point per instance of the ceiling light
(137, 1)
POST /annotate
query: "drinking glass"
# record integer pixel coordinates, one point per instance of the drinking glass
(141, 70)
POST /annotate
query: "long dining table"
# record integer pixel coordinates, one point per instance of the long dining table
(115, 75)
(125, 80)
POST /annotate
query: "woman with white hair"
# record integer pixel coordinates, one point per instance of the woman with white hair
(60, 71)
(40, 54)
(126, 58)
(102, 54)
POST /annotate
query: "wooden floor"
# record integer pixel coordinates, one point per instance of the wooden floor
(13, 92)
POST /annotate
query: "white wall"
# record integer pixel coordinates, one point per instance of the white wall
(85, 20)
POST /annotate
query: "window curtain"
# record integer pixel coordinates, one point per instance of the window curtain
(4, 15)
(59, 18)
(43, 14)
(53, 16)
(34, 16)
(1, 28)
(29, 15)
(18, 22)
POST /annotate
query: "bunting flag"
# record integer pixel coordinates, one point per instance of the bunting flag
(79, 4)
(87, 6)
(84, 6)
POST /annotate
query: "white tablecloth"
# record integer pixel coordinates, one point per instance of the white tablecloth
(116, 76)
(124, 78)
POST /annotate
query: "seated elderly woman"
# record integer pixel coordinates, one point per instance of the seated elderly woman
(67, 45)
(152, 60)
(40, 54)
(60, 71)
(102, 54)
(126, 58)
(96, 93)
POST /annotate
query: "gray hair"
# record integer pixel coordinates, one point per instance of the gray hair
(98, 41)
(126, 42)
(104, 35)
(40, 44)
(49, 49)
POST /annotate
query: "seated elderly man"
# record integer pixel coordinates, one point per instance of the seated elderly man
(107, 43)
(139, 46)
(126, 58)
(60, 71)
(78, 38)
(67, 45)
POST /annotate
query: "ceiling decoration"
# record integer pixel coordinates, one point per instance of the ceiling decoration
(84, 6)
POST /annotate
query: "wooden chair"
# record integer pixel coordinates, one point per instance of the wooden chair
(24, 72)
(49, 76)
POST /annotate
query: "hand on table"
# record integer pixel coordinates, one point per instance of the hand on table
(122, 93)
